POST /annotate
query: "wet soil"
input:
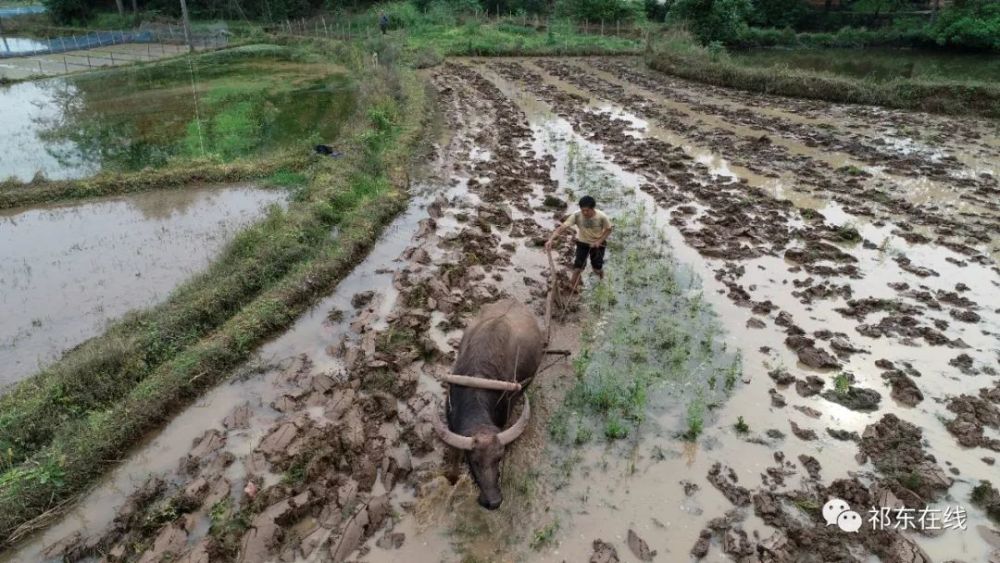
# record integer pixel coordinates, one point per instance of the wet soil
(844, 256)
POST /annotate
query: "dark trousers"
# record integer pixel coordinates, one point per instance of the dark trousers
(596, 254)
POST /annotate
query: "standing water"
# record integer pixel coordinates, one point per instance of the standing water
(243, 105)
(67, 270)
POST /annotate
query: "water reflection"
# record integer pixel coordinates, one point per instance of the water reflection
(66, 270)
(29, 109)
(11, 45)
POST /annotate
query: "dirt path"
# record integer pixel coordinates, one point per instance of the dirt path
(862, 316)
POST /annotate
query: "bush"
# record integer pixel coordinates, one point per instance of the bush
(778, 13)
(68, 11)
(599, 10)
(401, 14)
(970, 24)
(713, 20)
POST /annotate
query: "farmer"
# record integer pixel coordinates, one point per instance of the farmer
(592, 230)
(383, 22)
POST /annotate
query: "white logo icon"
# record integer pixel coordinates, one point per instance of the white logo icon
(832, 509)
(849, 521)
(838, 512)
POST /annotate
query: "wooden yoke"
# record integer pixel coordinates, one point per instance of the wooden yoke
(480, 382)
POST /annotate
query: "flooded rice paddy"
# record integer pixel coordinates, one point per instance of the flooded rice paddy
(66, 270)
(82, 60)
(220, 106)
(827, 276)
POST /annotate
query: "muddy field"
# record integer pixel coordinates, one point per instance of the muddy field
(829, 271)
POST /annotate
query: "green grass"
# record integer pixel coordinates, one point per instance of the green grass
(259, 109)
(842, 383)
(500, 39)
(695, 419)
(677, 53)
(16, 194)
(441, 32)
(647, 332)
(544, 535)
(63, 427)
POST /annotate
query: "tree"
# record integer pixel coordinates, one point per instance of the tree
(970, 24)
(876, 7)
(599, 10)
(778, 13)
(712, 20)
(67, 11)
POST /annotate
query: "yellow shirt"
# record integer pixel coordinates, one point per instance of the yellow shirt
(590, 230)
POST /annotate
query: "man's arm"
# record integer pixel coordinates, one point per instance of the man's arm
(604, 235)
(555, 234)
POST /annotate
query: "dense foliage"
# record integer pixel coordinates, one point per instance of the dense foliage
(966, 24)
(713, 20)
(969, 23)
(68, 11)
(599, 10)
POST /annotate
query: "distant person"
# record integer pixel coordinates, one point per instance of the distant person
(592, 230)
(383, 22)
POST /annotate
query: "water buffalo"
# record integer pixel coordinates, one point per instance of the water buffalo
(502, 343)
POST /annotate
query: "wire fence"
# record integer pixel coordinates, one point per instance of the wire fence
(347, 28)
(167, 34)
(57, 63)
(60, 63)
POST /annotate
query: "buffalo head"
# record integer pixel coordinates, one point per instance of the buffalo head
(484, 452)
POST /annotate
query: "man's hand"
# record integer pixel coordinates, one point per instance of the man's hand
(548, 245)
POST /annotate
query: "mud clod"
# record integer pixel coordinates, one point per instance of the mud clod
(639, 547)
(806, 434)
(700, 548)
(810, 386)
(855, 398)
(895, 449)
(725, 481)
(604, 553)
(362, 299)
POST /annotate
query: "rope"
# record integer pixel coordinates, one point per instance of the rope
(553, 292)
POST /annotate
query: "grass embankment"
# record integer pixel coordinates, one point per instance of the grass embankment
(676, 53)
(429, 36)
(647, 331)
(65, 426)
(17, 194)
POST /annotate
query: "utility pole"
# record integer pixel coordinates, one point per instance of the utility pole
(6, 47)
(187, 26)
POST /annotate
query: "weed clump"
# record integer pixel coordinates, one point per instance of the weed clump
(741, 426)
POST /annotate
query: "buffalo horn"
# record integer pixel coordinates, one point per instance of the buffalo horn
(449, 437)
(514, 432)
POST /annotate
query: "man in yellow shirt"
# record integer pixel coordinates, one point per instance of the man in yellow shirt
(592, 230)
